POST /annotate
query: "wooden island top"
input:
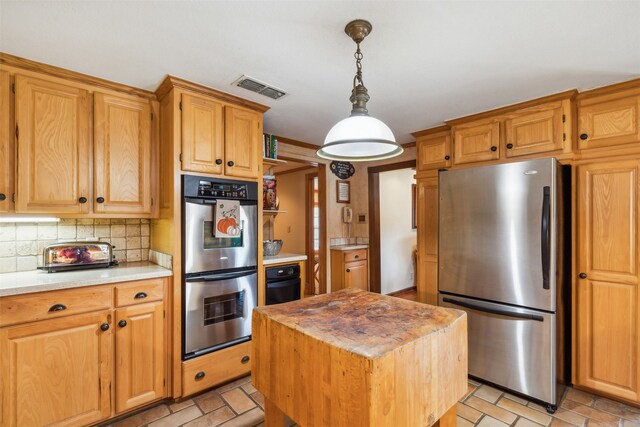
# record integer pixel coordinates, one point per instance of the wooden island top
(355, 358)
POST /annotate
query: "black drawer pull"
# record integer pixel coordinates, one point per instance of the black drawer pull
(582, 275)
(82, 200)
(100, 200)
(230, 163)
(494, 148)
(245, 359)
(584, 136)
(122, 323)
(447, 157)
(2, 197)
(348, 270)
(104, 327)
(140, 295)
(199, 375)
(357, 256)
(509, 146)
(218, 161)
(57, 307)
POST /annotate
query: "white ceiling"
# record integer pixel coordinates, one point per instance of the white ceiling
(424, 62)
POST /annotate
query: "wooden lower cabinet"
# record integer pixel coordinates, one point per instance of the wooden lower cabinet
(349, 269)
(607, 301)
(215, 368)
(427, 207)
(76, 368)
(56, 372)
(140, 355)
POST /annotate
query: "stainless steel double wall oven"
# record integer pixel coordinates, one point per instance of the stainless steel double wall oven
(220, 287)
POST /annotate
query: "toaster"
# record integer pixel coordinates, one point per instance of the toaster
(76, 256)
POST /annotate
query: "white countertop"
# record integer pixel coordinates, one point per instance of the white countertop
(348, 247)
(283, 257)
(24, 282)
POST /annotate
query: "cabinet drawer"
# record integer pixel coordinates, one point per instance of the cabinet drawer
(355, 255)
(215, 368)
(139, 291)
(48, 305)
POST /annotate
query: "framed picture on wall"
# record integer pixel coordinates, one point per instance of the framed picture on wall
(414, 218)
(343, 192)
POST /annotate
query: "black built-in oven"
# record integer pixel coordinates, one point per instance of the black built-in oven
(220, 286)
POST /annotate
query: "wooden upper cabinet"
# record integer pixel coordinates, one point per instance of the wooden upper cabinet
(609, 120)
(53, 147)
(56, 371)
(140, 355)
(6, 145)
(122, 154)
(535, 130)
(607, 294)
(202, 135)
(476, 142)
(243, 132)
(434, 152)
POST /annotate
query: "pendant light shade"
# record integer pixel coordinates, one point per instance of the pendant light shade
(359, 137)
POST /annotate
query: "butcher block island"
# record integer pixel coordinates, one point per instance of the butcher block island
(355, 358)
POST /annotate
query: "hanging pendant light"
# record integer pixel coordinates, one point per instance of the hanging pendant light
(359, 137)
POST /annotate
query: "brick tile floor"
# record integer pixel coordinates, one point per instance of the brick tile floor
(239, 404)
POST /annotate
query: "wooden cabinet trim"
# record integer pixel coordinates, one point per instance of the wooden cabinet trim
(6, 144)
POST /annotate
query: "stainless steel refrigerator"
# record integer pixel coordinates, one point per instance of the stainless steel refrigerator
(504, 236)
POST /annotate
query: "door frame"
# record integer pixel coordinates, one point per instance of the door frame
(322, 195)
(374, 218)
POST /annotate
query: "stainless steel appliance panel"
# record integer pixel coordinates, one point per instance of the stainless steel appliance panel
(218, 309)
(498, 233)
(199, 258)
(510, 346)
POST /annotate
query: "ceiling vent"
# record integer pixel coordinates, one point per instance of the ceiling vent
(256, 86)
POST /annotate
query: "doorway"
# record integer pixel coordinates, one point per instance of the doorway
(396, 218)
(301, 223)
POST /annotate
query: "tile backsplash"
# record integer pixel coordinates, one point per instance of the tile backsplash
(21, 244)
(339, 241)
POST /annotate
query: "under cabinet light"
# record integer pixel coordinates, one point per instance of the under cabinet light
(28, 219)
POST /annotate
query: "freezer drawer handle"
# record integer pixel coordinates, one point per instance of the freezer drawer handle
(545, 238)
(495, 310)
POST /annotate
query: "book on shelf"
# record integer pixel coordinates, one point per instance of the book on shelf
(269, 146)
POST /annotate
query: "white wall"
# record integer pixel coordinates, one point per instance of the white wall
(397, 238)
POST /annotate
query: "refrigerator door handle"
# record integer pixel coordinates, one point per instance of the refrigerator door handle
(499, 311)
(545, 237)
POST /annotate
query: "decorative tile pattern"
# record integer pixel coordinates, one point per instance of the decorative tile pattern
(21, 244)
(239, 404)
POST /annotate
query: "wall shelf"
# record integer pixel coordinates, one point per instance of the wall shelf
(272, 212)
(273, 162)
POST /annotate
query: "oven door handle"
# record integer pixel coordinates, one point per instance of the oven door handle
(220, 276)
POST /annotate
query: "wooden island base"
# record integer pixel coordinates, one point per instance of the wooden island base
(359, 359)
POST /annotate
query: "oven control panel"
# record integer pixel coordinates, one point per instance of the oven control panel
(222, 190)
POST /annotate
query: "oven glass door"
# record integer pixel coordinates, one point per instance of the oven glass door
(205, 252)
(218, 309)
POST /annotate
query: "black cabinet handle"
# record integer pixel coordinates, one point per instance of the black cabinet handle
(230, 163)
(584, 136)
(494, 148)
(100, 200)
(218, 161)
(122, 323)
(82, 200)
(447, 157)
(104, 327)
(199, 375)
(357, 256)
(3, 197)
(348, 270)
(57, 307)
(582, 275)
(245, 359)
(509, 146)
(140, 295)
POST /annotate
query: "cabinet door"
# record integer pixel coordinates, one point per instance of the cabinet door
(121, 154)
(243, 153)
(6, 145)
(609, 120)
(356, 275)
(476, 142)
(56, 372)
(434, 152)
(53, 147)
(202, 135)
(140, 355)
(427, 206)
(534, 130)
(607, 297)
